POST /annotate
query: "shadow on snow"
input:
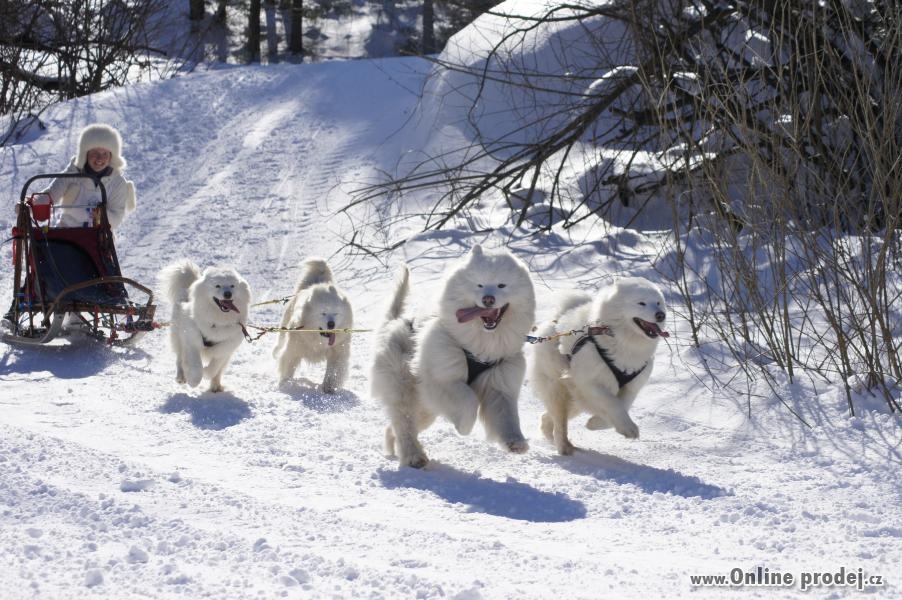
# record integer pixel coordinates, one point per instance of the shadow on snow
(309, 394)
(649, 479)
(210, 411)
(63, 361)
(509, 499)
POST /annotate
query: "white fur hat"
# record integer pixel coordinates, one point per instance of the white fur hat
(103, 136)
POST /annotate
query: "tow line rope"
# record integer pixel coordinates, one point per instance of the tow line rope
(587, 330)
(531, 339)
(276, 301)
(264, 329)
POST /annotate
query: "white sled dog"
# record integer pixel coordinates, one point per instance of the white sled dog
(317, 304)
(466, 360)
(602, 371)
(208, 314)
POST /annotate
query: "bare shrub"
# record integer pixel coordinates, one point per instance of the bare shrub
(771, 130)
(52, 51)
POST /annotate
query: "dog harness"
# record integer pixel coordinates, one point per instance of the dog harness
(247, 336)
(476, 367)
(622, 376)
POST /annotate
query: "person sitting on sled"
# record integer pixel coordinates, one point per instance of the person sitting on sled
(77, 199)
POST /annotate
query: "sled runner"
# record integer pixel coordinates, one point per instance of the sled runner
(72, 271)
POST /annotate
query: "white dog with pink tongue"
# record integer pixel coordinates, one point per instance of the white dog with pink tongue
(465, 362)
(323, 313)
(209, 311)
(601, 371)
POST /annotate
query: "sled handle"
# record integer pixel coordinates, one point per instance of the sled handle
(28, 183)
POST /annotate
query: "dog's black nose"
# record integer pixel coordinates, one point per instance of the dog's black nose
(489, 301)
(660, 316)
(227, 294)
(331, 324)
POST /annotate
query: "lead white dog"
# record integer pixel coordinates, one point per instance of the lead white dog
(316, 304)
(208, 314)
(602, 371)
(465, 361)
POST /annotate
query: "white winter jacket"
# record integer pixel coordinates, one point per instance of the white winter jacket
(74, 198)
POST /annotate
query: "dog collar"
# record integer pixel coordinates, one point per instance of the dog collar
(622, 376)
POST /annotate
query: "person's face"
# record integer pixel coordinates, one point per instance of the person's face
(98, 158)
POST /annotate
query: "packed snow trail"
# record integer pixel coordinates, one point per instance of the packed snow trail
(117, 482)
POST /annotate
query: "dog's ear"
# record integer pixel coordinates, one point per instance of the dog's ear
(476, 251)
(245, 289)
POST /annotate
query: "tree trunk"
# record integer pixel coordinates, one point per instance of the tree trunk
(221, 11)
(428, 46)
(296, 39)
(195, 10)
(253, 32)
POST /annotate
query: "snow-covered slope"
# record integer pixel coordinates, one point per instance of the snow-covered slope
(117, 482)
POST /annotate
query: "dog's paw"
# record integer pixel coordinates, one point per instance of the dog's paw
(517, 446)
(216, 388)
(547, 426)
(464, 422)
(596, 422)
(565, 448)
(194, 379)
(180, 378)
(328, 388)
(417, 461)
(628, 429)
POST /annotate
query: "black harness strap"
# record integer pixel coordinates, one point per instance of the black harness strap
(247, 336)
(476, 367)
(622, 377)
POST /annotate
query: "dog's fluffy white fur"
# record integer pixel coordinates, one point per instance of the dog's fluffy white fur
(208, 313)
(569, 384)
(486, 308)
(317, 304)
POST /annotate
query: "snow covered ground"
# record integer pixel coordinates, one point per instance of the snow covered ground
(116, 482)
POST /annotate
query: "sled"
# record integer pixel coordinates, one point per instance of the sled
(67, 280)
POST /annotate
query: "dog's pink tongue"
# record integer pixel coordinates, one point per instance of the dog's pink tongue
(660, 331)
(226, 305)
(468, 314)
(331, 338)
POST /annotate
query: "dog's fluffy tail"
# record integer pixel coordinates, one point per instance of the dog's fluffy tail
(177, 278)
(571, 300)
(316, 270)
(399, 298)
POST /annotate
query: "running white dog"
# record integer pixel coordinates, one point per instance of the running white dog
(601, 372)
(317, 304)
(208, 314)
(465, 361)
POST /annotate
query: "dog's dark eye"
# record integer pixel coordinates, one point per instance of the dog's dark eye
(502, 285)
(218, 286)
(642, 304)
(479, 285)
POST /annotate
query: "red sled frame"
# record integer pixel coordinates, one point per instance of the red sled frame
(72, 271)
